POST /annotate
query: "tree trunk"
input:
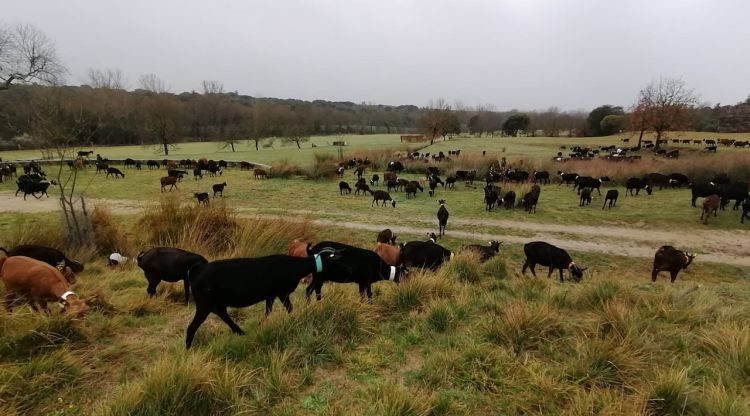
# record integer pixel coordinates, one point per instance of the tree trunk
(256, 145)
(298, 146)
(640, 138)
(166, 148)
(658, 136)
(232, 144)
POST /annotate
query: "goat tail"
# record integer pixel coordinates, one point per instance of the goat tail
(194, 270)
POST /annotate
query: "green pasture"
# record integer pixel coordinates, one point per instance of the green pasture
(509, 147)
(321, 199)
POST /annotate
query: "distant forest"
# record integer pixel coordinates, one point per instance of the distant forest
(61, 116)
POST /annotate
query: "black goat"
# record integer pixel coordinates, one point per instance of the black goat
(509, 199)
(585, 197)
(218, 188)
(115, 173)
(424, 254)
(442, 216)
(357, 265)
(611, 197)
(167, 264)
(375, 180)
(344, 187)
(383, 196)
(49, 255)
(485, 252)
(545, 254)
(239, 283)
(745, 210)
(670, 259)
(637, 184)
(202, 197)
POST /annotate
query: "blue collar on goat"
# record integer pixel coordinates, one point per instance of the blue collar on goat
(318, 263)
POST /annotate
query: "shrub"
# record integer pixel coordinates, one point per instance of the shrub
(108, 236)
(285, 170)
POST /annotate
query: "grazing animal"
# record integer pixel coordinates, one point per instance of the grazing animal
(168, 180)
(611, 197)
(542, 177)
(340, 171)
(442, 216)
(218, 188)
(702, 190)
(545, 254)
(129, 163)
(246, 165)
(375, 180)
(745, 210)
(411, 189)
(424, 254)
(585, 197)
(566, 178)
(260, 173)
(152, 164)
(49, 255)
(242, 282)
(736, 191)
(509, 199)
(197, 173)
(485, 252)
(39, 283)
(389, 253)
(167, 264)
(386, 237)
(434, 181)
(655, 179)
(530, 200)
(179, 174)
(30, 187)
(637, 184)
(214, 169)
(101, 167)
(115, 173)
(669, 259)
(357, 265)
(677, 180)
(450, 182)
(710, 205)
(202, 197)
(344, 187)
(383, 196)
(491, 197)
(588, 182)
(362, 187)
(82, 153)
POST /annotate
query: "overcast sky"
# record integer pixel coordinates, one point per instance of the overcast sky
(525, 54)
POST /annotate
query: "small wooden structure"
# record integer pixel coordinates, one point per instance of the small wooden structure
(339, 143)
(411, 138)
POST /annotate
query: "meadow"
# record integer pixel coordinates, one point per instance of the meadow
(469, 339)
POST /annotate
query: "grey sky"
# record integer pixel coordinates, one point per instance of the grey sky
(526, 54)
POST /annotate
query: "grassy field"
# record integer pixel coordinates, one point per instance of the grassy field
(470, 339)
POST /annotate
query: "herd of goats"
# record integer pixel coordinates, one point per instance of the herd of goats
(41, 274)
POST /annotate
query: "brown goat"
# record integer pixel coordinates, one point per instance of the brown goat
(260, 174)
(39, 283)
(386, 236)
(300, 249)
(710, 204)
(168, 180)
(669, 259)
(390, 254)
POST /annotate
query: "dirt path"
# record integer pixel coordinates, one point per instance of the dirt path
(718, 246)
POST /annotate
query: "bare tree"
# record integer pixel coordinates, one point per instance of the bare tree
(665, 105)
(212, 87)
(163, 120)
(28, 56)
(112, 79)
(152, 83)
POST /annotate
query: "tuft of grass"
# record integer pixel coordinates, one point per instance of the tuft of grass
(522, 327)
(478, 367)
(605, 363)
(717, 401)
(32, 334)
(187, 385)
(109, 236)
(729, 345)
(28, 384)
(440, 316)
(464, 267)
(495, 268)
(598, 294)
(671, 394)
(416, 292)
(396, 400)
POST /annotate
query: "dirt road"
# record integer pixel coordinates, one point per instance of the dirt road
(719, 246)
